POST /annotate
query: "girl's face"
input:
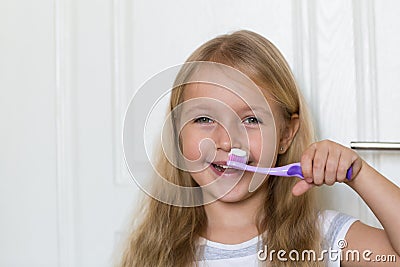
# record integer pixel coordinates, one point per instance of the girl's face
(215, 120)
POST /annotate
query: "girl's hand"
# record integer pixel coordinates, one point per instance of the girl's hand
(326, 162)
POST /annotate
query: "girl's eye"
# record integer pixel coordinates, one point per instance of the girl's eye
(252, 120)
(203, 120)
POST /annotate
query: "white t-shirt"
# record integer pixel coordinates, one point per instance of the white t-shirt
(334, 227)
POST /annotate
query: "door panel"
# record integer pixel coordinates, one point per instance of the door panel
(69, 68)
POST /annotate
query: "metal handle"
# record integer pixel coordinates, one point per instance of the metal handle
(375, 145)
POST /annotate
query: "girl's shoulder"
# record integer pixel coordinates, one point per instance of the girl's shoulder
(334, 226)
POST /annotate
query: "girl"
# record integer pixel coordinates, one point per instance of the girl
(278, 224)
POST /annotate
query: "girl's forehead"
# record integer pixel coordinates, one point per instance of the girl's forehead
(246, 97)
(199, 89)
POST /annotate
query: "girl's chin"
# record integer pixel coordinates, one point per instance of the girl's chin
(238, 193)
(233, 198)
(234, 189)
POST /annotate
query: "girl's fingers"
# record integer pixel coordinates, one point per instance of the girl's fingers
(301, 187)
(307, 163)
(344, 165)
(356, 163)
(332, 166)
(319, 164)
(326, 162)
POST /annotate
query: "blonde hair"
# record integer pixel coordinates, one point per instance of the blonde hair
(167, 234)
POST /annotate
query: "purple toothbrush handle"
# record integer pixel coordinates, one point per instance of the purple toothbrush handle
(349, 173)
(295, 170)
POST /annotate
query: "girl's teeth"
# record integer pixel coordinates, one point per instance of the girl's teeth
(221, 167)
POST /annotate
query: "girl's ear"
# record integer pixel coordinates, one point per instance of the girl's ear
(288, 133)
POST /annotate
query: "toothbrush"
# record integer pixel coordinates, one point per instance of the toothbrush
(238, 159)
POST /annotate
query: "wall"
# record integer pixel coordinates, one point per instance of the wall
(69, 68)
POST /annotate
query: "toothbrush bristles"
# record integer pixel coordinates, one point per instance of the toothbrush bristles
(236, 158)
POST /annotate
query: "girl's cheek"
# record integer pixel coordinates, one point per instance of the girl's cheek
(190, 144)
(191, 153)
(262, 147)
(255, 138)
(255, 144)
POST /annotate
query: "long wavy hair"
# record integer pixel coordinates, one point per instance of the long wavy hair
(166, 235)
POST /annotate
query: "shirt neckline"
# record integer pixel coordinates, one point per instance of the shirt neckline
(209, 243)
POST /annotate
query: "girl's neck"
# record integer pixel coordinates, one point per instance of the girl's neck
(233, 222)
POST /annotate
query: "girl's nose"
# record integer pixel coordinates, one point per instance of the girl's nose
(226, 139)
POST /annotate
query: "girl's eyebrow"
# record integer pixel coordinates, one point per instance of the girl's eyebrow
(203, 107)
(256, 109)
(191, 107)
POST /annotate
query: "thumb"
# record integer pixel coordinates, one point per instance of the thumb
(301, 187)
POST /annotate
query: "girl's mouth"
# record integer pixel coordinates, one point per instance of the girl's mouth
(220, 168)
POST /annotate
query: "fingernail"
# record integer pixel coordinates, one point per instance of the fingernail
(309, 180)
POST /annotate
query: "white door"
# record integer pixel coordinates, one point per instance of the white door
(69, 68)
